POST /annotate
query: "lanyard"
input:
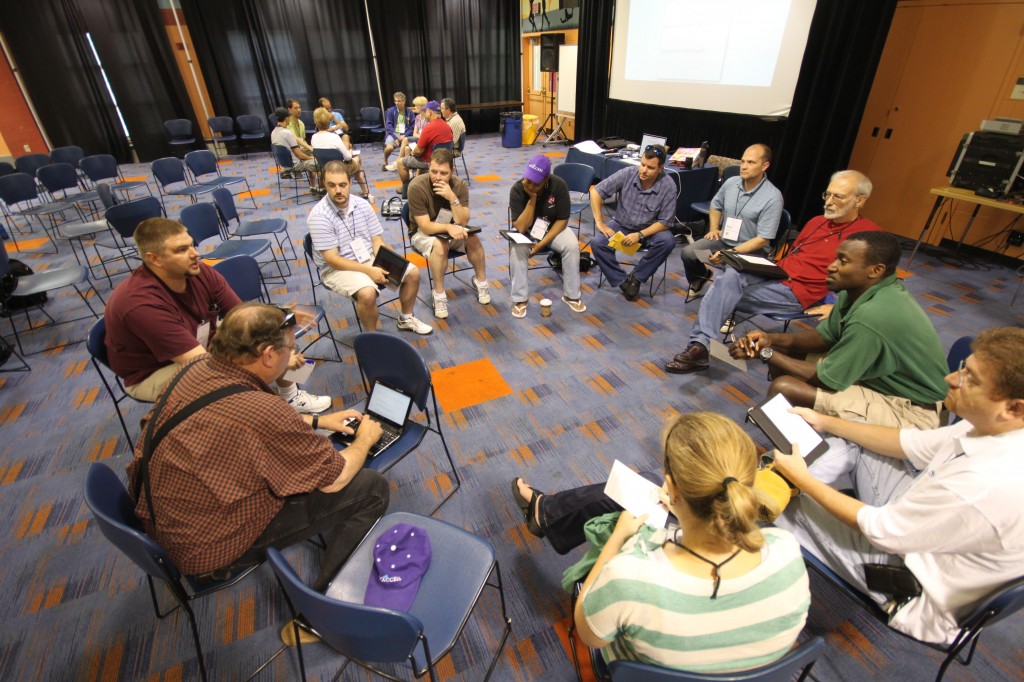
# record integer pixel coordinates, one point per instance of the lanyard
(736, 206)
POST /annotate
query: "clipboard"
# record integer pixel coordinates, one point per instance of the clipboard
(754, 265)
(516, 237)
(391, 263)
(784, 428)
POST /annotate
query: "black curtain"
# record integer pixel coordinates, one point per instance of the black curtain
(255, 54)
(47, 41)
(132, 42)
(464, 49)
(843, 49)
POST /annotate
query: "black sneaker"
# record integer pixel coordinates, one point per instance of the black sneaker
(631, 288)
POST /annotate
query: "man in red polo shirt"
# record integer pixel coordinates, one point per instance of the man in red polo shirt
(437, 131)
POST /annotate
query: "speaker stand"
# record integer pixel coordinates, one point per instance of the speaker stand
(556, 136)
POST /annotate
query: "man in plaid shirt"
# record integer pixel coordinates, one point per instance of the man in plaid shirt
(247, 472)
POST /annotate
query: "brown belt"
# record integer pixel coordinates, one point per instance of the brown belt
(933, 407)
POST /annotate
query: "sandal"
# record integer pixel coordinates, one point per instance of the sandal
(575, 304)
(519, 309)
(528, 507)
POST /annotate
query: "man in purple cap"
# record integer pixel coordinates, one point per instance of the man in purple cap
(540, 208)
(647, 207)
(437, 131)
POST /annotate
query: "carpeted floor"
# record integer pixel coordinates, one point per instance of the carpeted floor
(556, 400)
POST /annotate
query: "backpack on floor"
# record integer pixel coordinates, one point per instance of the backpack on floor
(9, 284)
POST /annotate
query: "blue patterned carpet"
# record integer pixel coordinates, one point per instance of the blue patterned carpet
(584, 390)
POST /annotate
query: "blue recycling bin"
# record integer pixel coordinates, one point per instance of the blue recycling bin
(511, 129)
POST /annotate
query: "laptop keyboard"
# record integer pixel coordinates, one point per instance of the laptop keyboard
(386, 439)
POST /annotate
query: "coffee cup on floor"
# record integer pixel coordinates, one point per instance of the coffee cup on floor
(545, 307)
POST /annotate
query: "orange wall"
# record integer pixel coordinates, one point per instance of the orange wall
(178, 47)
(17, 127)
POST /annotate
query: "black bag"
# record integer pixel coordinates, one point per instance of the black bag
(9, 285)
(586, 262)
(392, 208)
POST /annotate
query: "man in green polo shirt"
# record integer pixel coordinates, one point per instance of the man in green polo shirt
(884, 364)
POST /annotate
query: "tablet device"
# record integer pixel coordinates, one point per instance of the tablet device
(784, 428)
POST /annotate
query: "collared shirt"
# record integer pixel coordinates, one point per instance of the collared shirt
(297, 128)
(812, 253)
(221, 476)
(639, 207)
(423, 201)
(759, 209)
(883, 341)
(331, 228)
(959, 526)
(458, 127)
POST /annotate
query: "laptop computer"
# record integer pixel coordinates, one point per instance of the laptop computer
(390, 407)
(649, 139)
(392, 264)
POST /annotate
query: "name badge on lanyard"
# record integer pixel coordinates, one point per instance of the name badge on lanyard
(539, 229)
(732, 229)
(362, 250)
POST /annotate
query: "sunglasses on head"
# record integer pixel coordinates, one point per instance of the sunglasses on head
(289, 318)
(655, 149)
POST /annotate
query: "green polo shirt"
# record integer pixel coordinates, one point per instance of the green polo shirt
(883, 341)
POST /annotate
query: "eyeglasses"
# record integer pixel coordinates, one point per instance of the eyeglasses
(837, 197)
(289, 318)
(655, 149)
(963, 379)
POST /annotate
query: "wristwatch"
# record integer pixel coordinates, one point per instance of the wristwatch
(766, 355)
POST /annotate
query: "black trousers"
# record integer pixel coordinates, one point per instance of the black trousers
(345, 517)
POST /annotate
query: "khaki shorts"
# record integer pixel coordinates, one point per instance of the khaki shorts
(862, 404)
(150, 388)
(349, 282)
(424, 243)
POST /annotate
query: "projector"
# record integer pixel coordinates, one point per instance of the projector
(1006, 126)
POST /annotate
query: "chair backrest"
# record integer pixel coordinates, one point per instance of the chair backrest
(222, 125)
(1002, 603)
(306, 116)
(99, 167)
(442, 145)
(70, 154)
(58, 177)
(283, 156)
(201, 221)
(225, 204)
(460, 143)
(96, 342)
(392, 360)
(365, 633)
(202, 162)
(124, 218)
(325, 156)
(168, 170)
(799, 660)
(339, 111)
(370, 116)
(179, 129)
(782, 235)
(730, 172)
(272, 120)
(18, 187)
(958, 352)
(694, 186)
(30, 163)
(115, 515)
(106, 194)
(249, 124)
(6, 169)
(243, 275)
(578, 176)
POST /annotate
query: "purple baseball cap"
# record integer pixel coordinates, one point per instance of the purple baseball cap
(433, 106)
(538, 169)
(400, 558)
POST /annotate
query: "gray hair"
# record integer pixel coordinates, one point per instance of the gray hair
(863, 182)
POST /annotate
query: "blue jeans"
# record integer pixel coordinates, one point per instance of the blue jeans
(562, 515)
(658, 246)
(733, 290)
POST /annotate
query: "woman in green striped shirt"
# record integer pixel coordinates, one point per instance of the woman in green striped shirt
(718, 594)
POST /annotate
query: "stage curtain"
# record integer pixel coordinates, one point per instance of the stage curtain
(464, 49)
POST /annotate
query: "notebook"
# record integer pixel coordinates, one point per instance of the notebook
(390, 407)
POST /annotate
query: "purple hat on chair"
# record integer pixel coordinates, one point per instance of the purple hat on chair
(538, 169)
(433, 106)
(400, 558)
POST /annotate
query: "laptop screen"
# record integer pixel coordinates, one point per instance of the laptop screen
(388, 403)
(649, 139)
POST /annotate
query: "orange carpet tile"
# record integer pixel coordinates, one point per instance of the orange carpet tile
(469, 384)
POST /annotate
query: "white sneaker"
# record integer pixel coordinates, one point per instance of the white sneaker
(482, 294)
(728, 326)
(310, 404)
(393, 166)
(411, 324)
(440, 306)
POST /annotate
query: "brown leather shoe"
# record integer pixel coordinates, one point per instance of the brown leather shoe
(693, 359)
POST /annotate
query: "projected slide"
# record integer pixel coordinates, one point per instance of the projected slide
(724, 55)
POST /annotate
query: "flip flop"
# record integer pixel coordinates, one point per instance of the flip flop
(528, 507)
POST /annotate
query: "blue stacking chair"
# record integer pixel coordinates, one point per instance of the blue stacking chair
(459, 152)
(6, 169)
(114, 511)
(461, 566)
(78, 232)
(30, 163)
(393, 361)
(371, 124)
(704, 207)
(250, 129)
(204, 163)
(179, 133)
(283, 158)
(223, 129)
(96, 344)
(70, 154)
(61, 181)
(579, 177)
(306, 116)
(124, 218)
(253, 228)
(202, 223)
(21, 188)
(170, 171)
(101, 167)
